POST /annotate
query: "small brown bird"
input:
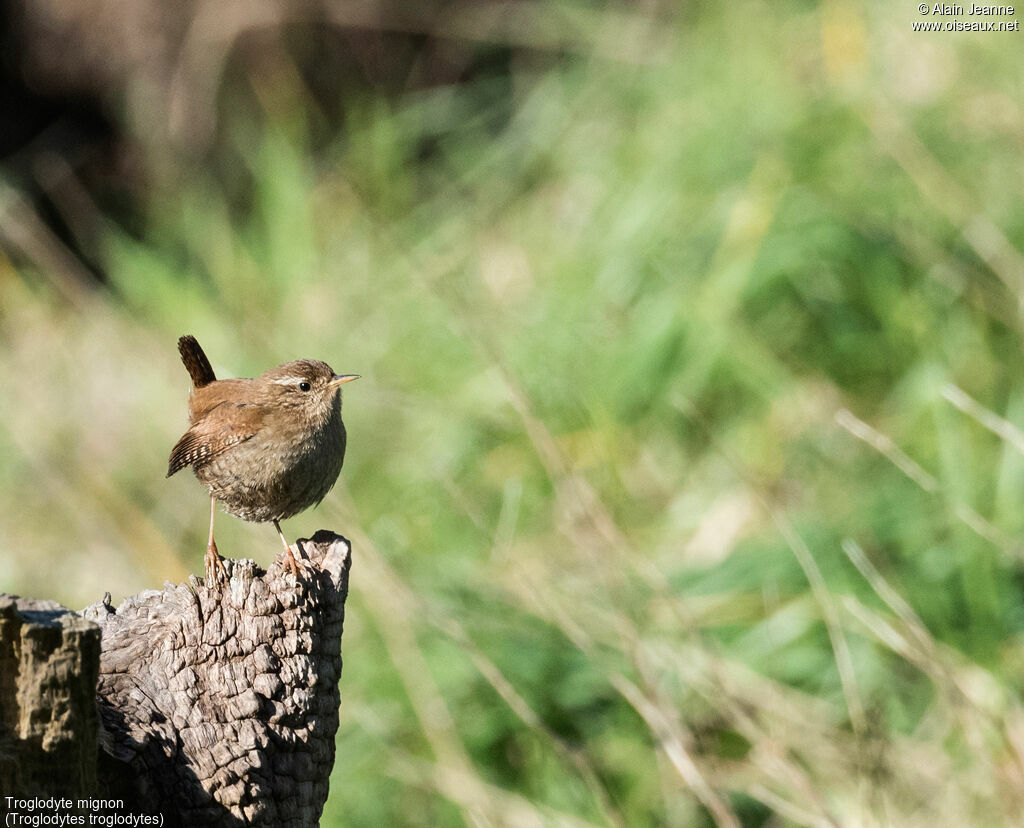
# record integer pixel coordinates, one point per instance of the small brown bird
(268, 447)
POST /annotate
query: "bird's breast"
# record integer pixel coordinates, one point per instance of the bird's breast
(276, 475)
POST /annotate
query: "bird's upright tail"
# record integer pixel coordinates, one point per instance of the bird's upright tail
(195, 361)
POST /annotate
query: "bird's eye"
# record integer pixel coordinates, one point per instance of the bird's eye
(304, 386)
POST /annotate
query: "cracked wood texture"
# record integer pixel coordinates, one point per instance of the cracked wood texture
(48, 666)
(217, 706)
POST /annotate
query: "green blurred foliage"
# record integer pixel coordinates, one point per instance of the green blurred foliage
(607, 307)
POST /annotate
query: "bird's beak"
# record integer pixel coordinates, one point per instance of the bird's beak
(341, 379)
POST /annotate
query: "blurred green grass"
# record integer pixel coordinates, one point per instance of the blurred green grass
(644, 343)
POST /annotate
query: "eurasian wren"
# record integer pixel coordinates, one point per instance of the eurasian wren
(268, 447)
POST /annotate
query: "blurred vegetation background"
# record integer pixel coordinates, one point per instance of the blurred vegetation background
(685, 479)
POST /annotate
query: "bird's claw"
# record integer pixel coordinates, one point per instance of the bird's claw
(215, 570)
(294, 564)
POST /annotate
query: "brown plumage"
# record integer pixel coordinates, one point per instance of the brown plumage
(196, 363)
(267, 447)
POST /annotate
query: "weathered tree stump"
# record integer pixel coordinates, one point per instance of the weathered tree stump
(49, 658)
(217, 706)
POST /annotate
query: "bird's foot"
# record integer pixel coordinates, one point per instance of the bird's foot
(294, 564)
(215, 571)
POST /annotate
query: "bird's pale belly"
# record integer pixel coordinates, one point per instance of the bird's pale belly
(248, 486)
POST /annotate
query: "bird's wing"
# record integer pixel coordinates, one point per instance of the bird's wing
(201, 401)
(221, 427)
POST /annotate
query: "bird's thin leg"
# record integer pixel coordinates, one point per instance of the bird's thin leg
(293, 565)
(214, 562)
